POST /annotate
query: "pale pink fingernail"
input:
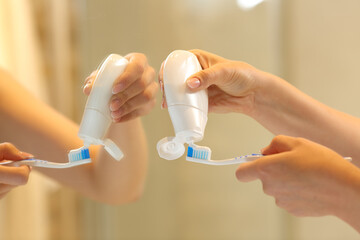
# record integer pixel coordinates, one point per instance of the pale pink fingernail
(26, 155)
(193, 83)
(118, 88)
(115, 104)
(116, 114)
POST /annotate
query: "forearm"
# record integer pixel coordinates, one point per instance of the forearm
(283, 109)
(123, 181)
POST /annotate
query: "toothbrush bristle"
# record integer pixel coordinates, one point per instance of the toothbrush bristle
(197, 153)
(79, 154)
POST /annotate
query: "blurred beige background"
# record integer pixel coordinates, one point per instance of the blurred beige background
(312, 44)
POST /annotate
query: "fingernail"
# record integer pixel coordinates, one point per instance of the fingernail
(116, 114)
(115, 104)
(118, 88)
(193, 83)
(26, 155)
(86, 87)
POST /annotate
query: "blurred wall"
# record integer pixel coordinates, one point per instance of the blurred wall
(313, 44)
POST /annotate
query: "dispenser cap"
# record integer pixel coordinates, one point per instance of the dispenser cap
(113, 149)
(170, 148)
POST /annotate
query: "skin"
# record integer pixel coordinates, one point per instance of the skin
(307, 179)
(35, 127)
(11, 177)
(235, 86)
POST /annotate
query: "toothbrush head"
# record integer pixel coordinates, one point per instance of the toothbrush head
(79, 154)
(198, 153)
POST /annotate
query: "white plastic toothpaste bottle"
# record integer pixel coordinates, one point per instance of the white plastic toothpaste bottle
(96, 118)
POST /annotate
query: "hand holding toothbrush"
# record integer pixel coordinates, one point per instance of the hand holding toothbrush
(307, 179)
(134, 91)
(12, 176)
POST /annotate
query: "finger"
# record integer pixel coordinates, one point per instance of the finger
(279, 144)
(206, 59)
(136, 102)
(161, 83)
(5, 188)
(89, 81)
(135, 89)
(248, 171)
(215, 75)
(133, 71)
(138, 112)
(10, 152)
(14, 175)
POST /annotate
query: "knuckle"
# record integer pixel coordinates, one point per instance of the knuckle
(123, 97)
(152, 73)
(126, 108)
(142, 83)
(148, 95)
(278, 138)
(267, 189)
(7, 145)
(139, 68)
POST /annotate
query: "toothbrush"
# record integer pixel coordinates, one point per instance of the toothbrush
(200, 154)
(76, 157)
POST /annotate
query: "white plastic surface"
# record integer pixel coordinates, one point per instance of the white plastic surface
(170, 149)
(46, 164)
(96, 118)
(187, 110)
(113, 149)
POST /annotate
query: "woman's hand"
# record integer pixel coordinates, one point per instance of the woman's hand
(306, 179)
(134, 90)
(231, 85)
(12, 176)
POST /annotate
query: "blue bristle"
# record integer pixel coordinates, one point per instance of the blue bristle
(83, 154)
(190, 151)
(200, 154)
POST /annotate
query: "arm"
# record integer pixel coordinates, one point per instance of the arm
(37, 128)
(238, 87)
(307, 179)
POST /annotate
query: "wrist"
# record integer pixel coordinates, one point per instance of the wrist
(348, 206)
(265, 93)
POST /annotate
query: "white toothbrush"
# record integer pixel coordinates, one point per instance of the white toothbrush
(76, 157)
(200, 154)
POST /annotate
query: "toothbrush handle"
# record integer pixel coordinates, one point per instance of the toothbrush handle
(46, 164)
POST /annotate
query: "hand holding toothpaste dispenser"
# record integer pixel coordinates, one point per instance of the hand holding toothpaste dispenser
(96, 119)
(188, 112)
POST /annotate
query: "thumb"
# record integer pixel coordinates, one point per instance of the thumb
(10, 152)
(279, 144)
(215, 75)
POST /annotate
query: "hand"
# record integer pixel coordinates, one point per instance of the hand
(230, 84)
(134, 90)
(305, 178)
(11, 176)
